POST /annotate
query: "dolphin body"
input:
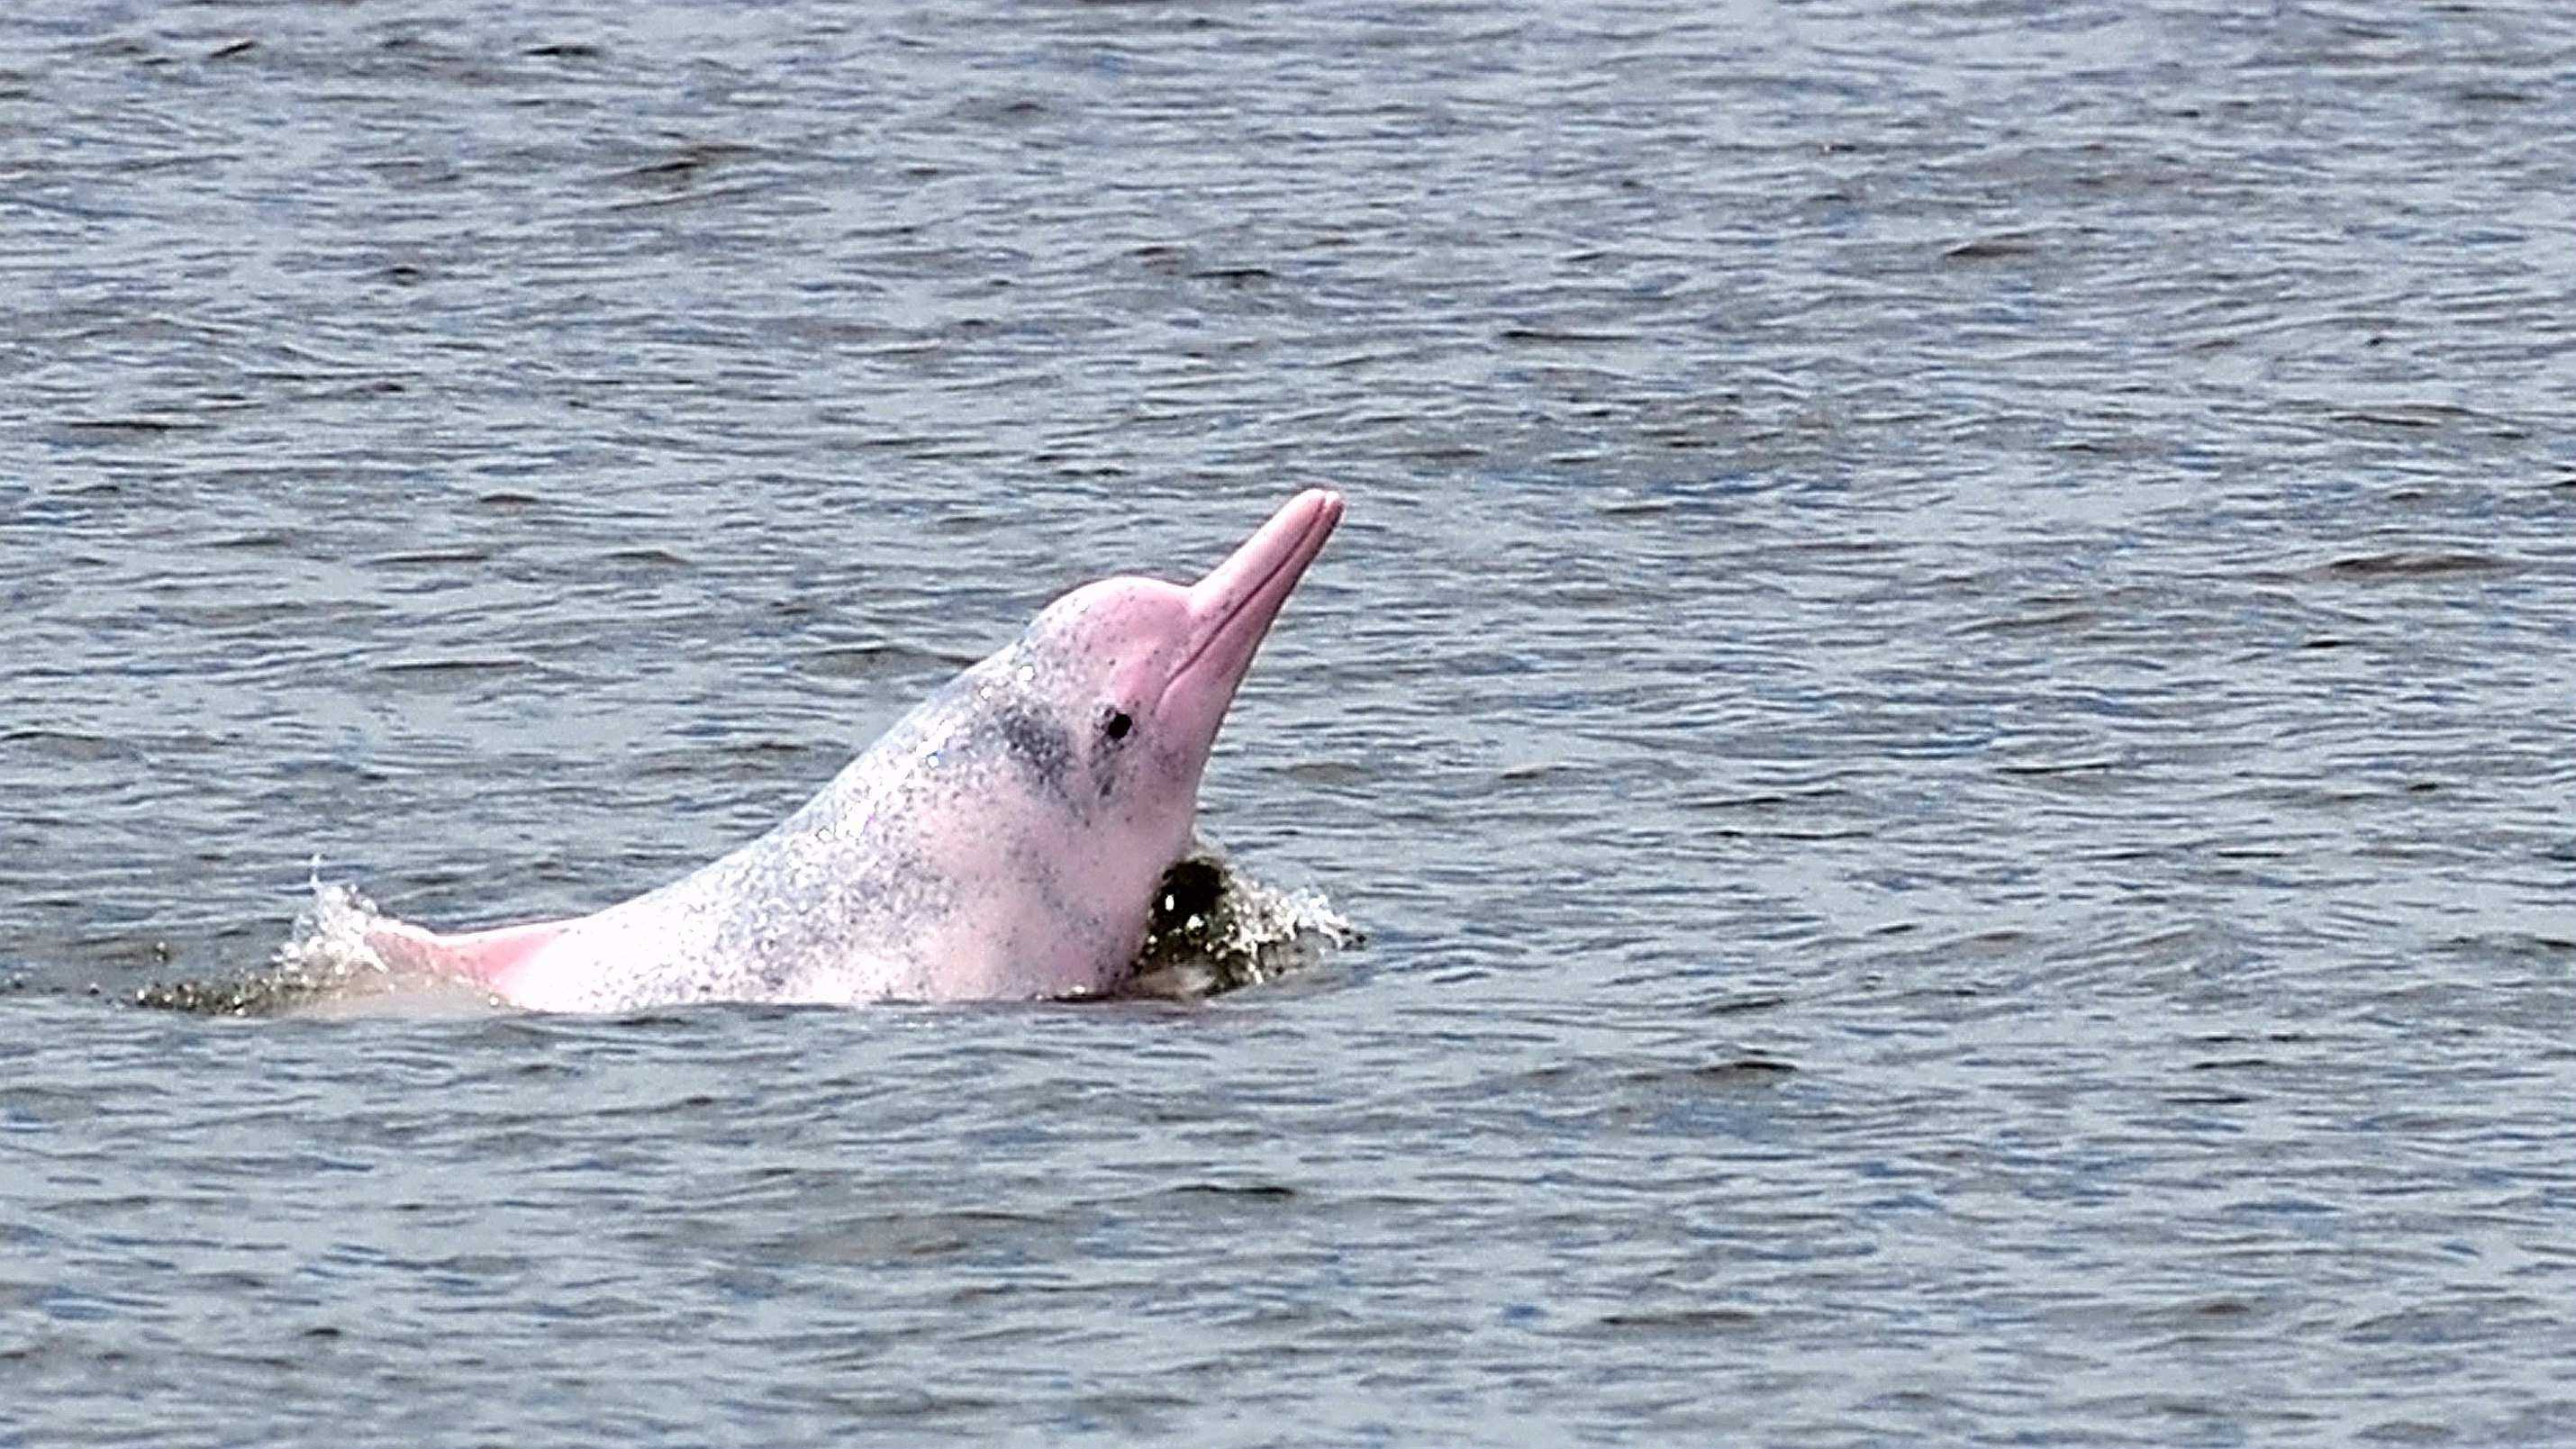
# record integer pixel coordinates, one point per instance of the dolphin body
(1003, 840)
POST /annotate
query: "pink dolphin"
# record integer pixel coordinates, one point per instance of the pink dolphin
(1003, 840)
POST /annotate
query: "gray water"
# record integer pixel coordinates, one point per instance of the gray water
(1946, 700)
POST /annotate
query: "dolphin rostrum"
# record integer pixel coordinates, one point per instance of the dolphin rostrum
(1003, 840)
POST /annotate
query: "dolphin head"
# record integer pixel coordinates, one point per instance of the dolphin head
(1106, 709)
(1134, 675)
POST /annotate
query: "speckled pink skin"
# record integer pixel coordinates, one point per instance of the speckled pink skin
(1001, 841)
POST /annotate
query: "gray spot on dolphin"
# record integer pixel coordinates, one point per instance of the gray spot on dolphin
(1035, 743)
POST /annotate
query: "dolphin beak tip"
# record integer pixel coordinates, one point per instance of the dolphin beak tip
(1236, 603)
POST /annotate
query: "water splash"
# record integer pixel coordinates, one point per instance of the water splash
(1216, 929)
(325, 965)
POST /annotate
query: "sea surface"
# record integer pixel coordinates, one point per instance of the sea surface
(1948, 701)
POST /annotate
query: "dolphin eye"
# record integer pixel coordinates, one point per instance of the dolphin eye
(1118, 724)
